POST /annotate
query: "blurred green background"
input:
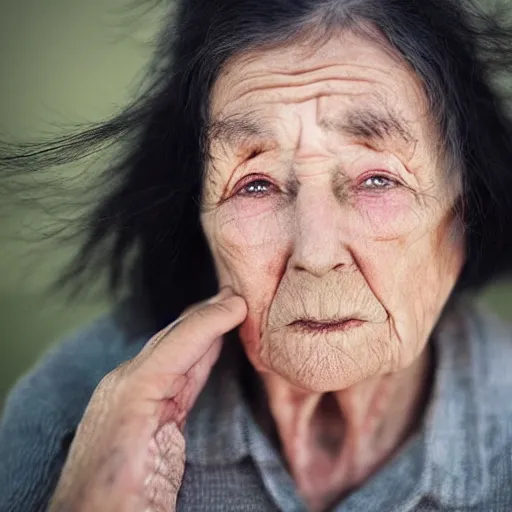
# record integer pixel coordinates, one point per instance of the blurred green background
(61, 62)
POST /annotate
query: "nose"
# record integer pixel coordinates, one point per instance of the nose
(320, 245)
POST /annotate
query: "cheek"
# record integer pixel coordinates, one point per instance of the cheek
(256, 232)
(413, 277)
(386, 216)
(250, 248)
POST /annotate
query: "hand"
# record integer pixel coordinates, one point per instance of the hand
(128, 454)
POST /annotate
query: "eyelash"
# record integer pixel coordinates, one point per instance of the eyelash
(242, 190)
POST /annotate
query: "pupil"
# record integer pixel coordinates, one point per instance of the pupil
(257, 186)
(378, 181)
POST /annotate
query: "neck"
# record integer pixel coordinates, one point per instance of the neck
(333, 442)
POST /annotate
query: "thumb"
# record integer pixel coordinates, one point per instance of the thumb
(190, 338)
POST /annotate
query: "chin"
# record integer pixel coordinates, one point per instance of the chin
(320, 379)
(327, 361)
(321, 383)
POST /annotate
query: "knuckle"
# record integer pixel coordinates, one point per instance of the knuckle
(113, 378)
(201, 313)
(109, 380)
(219, 307)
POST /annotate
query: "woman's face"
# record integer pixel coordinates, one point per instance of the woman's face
(326, 207)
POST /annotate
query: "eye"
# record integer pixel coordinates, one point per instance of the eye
(256, 188)
(378, 182)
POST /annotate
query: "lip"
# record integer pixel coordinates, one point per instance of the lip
(309, 325)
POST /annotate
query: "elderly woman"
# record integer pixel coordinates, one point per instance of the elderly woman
(341, 170)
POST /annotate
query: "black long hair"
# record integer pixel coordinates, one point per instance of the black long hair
(145, 230)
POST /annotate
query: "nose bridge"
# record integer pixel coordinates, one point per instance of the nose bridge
(319, 239)
(319, 236)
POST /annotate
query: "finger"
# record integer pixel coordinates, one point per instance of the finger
(150, 345)
(178, 350)
(199, 374)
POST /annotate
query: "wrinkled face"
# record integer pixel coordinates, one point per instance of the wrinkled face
(325, 206)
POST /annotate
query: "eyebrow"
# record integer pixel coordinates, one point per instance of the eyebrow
(237, 129)
(369, 125)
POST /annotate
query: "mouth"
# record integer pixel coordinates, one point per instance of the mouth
(308, 325)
